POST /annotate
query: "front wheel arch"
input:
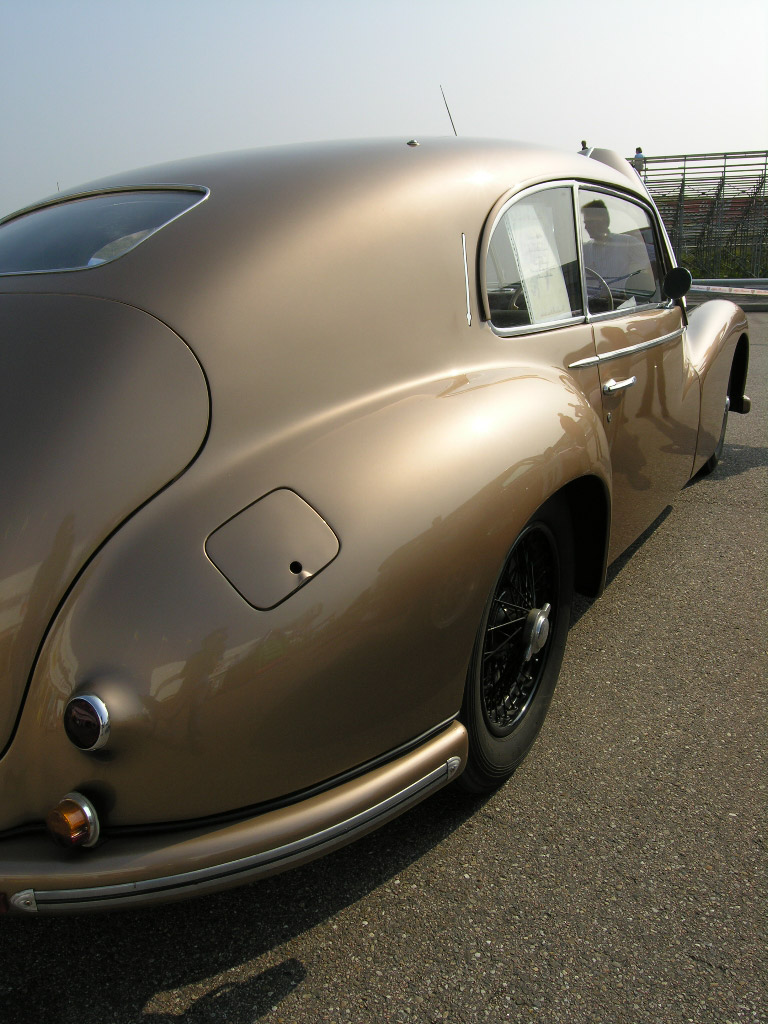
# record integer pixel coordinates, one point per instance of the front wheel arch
(735, 400)
(738, 377)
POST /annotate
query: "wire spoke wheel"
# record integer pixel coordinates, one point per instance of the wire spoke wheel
(519, 649)
(525, 599)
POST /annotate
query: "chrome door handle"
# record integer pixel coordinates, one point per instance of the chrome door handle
(612, 385)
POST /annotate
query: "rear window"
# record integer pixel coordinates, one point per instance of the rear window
(79, 233)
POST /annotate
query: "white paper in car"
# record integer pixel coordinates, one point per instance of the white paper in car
(542, 277)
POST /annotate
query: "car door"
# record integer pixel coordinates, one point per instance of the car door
(650, 391)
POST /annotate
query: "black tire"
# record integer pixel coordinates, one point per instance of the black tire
(507, 695)
(717, 454)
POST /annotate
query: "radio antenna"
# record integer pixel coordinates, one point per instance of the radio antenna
(445, 101)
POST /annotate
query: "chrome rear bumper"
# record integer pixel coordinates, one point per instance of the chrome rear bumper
(159, 868)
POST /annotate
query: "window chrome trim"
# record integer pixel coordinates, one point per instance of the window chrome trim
(503, 204)
(498, 210)
(61, 198)
(617, 314)
(644, 200)
(630, 350)
(580, 252)
(660, 237)
(546, 325)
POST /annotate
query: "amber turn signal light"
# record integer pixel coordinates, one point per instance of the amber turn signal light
(73, 821)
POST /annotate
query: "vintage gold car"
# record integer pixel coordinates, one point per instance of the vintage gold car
(304, 453)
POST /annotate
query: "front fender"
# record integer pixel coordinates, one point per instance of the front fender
(714, 331)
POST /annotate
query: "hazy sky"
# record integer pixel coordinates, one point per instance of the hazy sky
(90, 88)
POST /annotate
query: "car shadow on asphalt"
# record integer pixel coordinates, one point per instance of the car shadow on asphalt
(133, 963)
(736, 459)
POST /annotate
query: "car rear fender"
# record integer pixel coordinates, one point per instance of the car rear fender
(425, 489)
(477, 463)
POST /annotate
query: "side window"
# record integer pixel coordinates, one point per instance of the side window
(620, 264)
(532, 274)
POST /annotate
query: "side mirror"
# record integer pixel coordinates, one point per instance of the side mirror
(677, 282)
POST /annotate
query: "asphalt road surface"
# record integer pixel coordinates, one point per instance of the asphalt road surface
(619, 876)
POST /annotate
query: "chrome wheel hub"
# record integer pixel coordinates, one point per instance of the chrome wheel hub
(536, 630)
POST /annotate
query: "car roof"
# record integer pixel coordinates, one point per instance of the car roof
(308, 232)
(236, 175)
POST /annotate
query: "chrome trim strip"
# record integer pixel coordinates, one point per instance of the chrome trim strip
(619, 352)
(466, 277)
(24, 900)
(580, 363)
(246, 867)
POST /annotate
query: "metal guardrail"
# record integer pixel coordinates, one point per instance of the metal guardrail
(715, 209)
(750, 293)
(744, 286)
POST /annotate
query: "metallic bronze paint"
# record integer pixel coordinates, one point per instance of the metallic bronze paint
(322, 291)
(102, 406)
(220, 849)
(714, 331)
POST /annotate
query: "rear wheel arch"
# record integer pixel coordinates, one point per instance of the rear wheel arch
(563, 546)
(588, 505)
(518, 648)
